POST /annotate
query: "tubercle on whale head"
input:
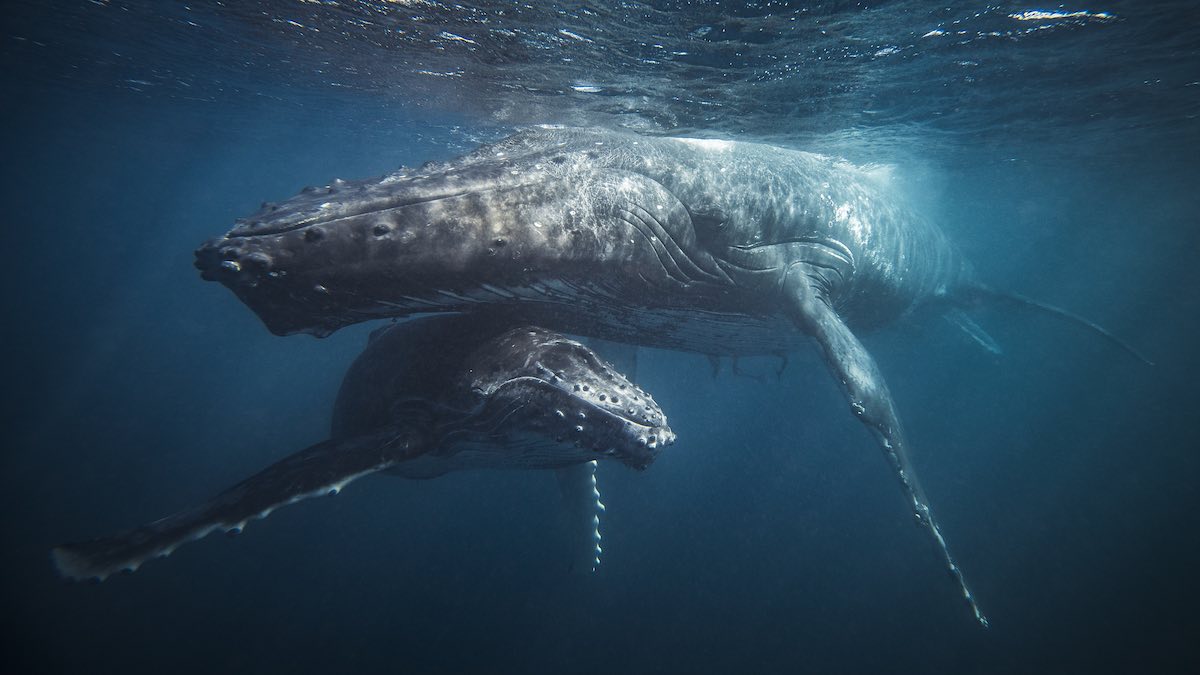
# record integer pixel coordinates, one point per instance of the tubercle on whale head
(579, 402)
(480, 229)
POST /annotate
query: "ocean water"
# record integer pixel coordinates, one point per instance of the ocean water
(1058, 145)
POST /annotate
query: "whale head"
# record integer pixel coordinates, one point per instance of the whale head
(552, 400)
(545, 216)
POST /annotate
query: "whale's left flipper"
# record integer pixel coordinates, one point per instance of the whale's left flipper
(324, 468)
(868, 396)
(583, 508)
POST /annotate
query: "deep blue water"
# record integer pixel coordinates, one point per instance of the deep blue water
(771, 537)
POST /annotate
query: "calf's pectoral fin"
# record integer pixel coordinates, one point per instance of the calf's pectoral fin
(868, 395)
(324, 468)
(582, 507)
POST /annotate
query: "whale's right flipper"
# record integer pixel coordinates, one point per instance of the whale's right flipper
(582, 506)
(324, 468)
(869, 398)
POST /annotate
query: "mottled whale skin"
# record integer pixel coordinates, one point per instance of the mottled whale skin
(681, 243)
(425, 397)
(718, 247)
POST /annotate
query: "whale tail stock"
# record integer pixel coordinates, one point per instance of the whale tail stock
(979, 293)
(324, 468)
(867, 393)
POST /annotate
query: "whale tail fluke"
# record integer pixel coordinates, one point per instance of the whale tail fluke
(318, 470)
(982, 293)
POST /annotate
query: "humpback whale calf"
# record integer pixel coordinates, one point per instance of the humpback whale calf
(425, 397)
(712, 246)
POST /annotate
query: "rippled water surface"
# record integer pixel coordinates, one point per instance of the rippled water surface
(779, 71)
(1057, 145)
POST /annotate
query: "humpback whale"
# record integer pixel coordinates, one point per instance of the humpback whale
(426, 397)
(712, 246)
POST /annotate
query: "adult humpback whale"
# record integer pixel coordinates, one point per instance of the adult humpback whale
(711, 246)
(426, 397)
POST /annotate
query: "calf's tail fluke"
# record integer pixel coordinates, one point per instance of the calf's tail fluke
(1018, 300)
(324, 468)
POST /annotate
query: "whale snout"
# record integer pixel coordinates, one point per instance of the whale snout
(230, 262)
(583, 401)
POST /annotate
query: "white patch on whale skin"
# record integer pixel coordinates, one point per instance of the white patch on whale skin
(707, 143)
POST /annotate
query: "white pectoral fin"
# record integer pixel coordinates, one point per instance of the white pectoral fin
(582, 508)
(867, 393)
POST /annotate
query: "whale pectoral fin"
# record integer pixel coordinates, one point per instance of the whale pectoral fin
(869, 398)
(582, 506)
(320, 469)
(967, 325)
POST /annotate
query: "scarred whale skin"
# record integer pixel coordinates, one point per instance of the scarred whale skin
(691, 237)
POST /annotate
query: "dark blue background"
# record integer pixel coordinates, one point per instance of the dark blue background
(771, 537)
